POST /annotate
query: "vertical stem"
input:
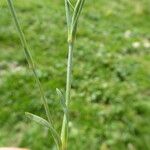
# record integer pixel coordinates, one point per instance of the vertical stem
(69, 73)
(64, 132)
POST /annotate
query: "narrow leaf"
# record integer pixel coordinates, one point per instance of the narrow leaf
(71, 4)
(37, 119)
(68, 15)
(46, 124)
(62, 100)
(76, 14)
(29, 58)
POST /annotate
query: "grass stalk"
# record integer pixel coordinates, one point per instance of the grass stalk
(64, 132)
(72, 21)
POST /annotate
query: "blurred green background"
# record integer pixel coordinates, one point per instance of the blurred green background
(110, 107)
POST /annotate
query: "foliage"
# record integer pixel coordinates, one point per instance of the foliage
(110, 96)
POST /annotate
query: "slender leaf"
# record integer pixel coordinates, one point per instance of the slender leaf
(75, 17)
(37, 119)
(71, 4)
(68, 16)
(29, 59)
(62, 100)
(46, 124)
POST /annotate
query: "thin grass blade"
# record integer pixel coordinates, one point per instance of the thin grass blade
(62, 100)
(68, 16)
(71, 4)
(46, 124)
(29, 59)
(76, 14)
(37, 119)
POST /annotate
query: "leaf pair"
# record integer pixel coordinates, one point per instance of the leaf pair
(72, 19)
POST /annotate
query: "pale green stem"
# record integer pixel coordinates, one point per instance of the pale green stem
(64, 132)
(29, 59)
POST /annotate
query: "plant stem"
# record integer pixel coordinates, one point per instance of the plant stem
(29, 59)
(64, 132)
(69, 73)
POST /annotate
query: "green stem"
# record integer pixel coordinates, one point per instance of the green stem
(69, 73)
(64, 132)
(29, 59)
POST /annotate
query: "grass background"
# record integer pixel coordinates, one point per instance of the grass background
(110, 105)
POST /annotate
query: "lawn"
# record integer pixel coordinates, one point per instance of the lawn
(110, 105)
